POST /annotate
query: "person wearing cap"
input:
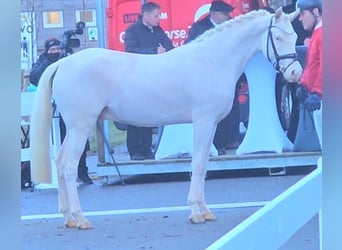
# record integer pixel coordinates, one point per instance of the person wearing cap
(309, 91)
(51, 54)
(227, 132)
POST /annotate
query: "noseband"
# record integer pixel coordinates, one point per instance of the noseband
(278, 58)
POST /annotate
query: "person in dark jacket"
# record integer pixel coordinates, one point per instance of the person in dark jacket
(227, 131)
(219, 12)
(145, 36)
(52, 54)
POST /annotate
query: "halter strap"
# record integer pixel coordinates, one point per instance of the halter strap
(276, 55)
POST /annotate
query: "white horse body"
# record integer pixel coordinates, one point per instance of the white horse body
(160, 96)
(194, 83)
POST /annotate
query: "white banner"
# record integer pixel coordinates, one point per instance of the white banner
(28, 36)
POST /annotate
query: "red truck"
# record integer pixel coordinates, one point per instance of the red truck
(176, 16)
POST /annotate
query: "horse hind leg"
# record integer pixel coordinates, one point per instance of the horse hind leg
(203, 137)
(63, 200)
(67, 163)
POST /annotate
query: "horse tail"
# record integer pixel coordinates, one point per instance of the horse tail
(41, 126)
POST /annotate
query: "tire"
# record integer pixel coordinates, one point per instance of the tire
(285, 107)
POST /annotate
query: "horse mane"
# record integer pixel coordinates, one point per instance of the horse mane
(230, 23)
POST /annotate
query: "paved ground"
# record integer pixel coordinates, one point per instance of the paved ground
(150, 212)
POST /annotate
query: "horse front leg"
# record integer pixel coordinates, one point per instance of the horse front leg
(203, 137)
(71, 151)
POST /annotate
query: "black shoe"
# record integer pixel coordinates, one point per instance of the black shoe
(149, 156)
(83, 176)
(137, 157)
(221, 151)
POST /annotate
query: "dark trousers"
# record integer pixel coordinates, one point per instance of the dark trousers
(139, 140)
(82, 163)
(228, 129)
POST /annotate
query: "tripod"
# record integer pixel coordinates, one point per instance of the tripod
(99, 126)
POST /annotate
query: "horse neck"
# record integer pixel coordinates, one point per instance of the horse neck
(232, 47)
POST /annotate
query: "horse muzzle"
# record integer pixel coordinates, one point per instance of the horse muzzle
(292, 72)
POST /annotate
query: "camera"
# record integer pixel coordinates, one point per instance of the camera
(68, 43)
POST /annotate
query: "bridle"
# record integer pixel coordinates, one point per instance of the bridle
(278, 58)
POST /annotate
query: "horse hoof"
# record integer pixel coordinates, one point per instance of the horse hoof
(70, 224)
(85, 226)
(209, 216)
(196, 219)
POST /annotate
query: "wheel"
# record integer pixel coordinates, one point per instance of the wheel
(285, 107)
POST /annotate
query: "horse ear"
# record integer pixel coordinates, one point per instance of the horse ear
(278, 12)
(293, 15)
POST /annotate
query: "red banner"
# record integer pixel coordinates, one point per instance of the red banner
(176, 16)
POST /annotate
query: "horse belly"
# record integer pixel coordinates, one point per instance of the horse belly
(148, 113)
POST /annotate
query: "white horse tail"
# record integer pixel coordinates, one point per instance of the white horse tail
(41, 126)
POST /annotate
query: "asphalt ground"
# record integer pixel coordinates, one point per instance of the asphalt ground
(150, 212)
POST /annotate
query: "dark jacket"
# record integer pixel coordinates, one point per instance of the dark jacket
(38, 67)
(199, 28)
(142, 40)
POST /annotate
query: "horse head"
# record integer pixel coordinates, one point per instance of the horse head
(281, 45)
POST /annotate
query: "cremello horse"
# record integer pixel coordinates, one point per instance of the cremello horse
(191, 84)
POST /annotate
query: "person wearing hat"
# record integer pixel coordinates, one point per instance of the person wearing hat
(309, 91)
(219, 12)
(227, 132)
(51, 54)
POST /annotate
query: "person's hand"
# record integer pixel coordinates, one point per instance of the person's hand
(301, 93)
(313, 102)
(161, 49)
(306, 41)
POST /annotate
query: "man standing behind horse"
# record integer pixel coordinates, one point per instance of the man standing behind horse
(227, 131)
(145, 36)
